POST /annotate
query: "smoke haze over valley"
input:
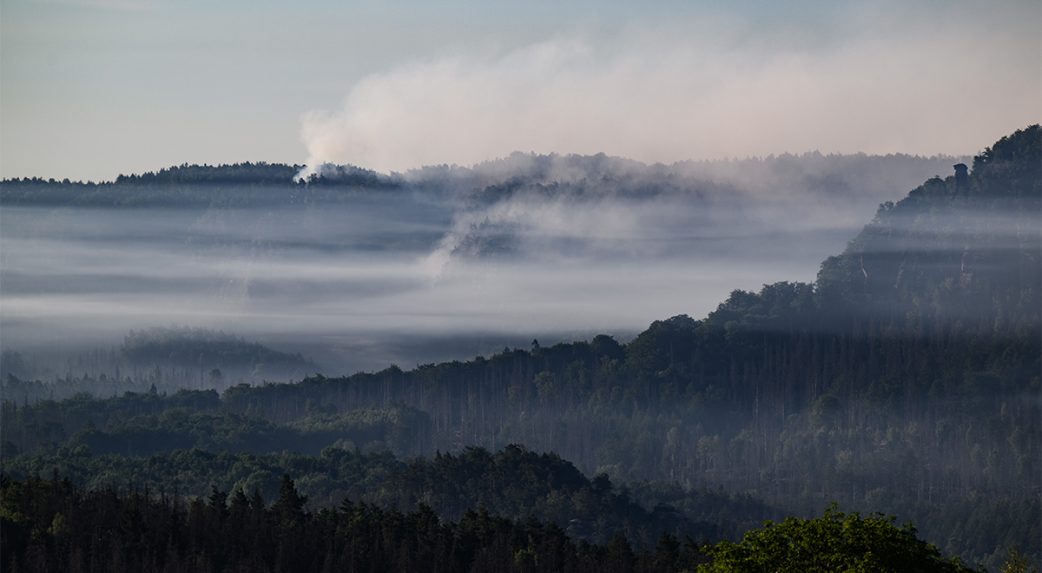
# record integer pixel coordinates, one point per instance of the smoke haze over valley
(439, 263)
(464, 286)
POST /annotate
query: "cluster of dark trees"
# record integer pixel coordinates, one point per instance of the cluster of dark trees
(24, 389)
(55, 526)
(513, 481)
(904, 380)
(247, 173)
(148, 423)
(52, 526)
(237, 173)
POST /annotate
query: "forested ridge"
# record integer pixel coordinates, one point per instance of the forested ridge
(53, 526)
(906, 380)
(193, 184)
(260, 184)
(512, 482)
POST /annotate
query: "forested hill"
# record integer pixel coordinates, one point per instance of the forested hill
(856, 178)
(925, 407)
(905, 380)
(53, 525)
(247, 173)
(965, 248)
(235, 185)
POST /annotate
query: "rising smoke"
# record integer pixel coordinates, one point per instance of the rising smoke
(705, 90)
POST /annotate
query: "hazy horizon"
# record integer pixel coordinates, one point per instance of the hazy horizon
(455, 262)
(94, 88)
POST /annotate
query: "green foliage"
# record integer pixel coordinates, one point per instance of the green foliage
(1016, 562)
(833, 542)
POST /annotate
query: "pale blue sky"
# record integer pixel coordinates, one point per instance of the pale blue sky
(92, 88)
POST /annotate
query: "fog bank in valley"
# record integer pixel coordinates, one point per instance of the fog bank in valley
(440, 262)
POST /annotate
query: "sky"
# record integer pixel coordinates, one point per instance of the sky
(93, 88)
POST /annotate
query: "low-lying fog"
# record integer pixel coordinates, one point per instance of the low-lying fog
(458, 262)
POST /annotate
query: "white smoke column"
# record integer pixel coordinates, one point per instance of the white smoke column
(703, 92)
(532, 219)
